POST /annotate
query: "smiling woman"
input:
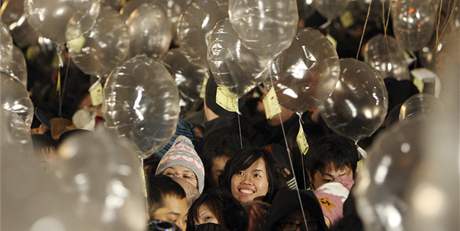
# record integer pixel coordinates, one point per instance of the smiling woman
(251, 175)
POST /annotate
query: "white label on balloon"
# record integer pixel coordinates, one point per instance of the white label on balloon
(75, 45)
(302, 141)
(346, 19)
(226, 99)
(271, 104)
(332, 40)
(95, 92)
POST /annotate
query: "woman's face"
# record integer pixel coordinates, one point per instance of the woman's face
(182, 172)
(205, 216)
(250, 183)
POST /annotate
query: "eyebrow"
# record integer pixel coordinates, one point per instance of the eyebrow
(174, 213)
(258, 170)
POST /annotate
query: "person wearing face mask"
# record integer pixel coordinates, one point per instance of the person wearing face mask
(182, 161)
(332, 159)
(167, 201)
(217, 207)
(251, 175)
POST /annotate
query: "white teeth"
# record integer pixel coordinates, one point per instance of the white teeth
(246, 191)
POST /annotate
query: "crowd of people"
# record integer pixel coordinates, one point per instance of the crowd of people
(228, 171)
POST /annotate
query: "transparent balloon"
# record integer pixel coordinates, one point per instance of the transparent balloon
(106, 177)
(6, 46)
(104, 47)
(199, 18)
(305, 8)
(414, 22)
(359, 102)
(15, 99)
(149, 29)
(385, 55)
(17, 67)
(383, 185)
(223, 5)
(189, 77)
(309, 70)
(13, 17)
(53, 18)
(266, 27)
(233, 66)
(331, 9)
(417, 105)
(174, 10)
(142, 103)
(26, 185)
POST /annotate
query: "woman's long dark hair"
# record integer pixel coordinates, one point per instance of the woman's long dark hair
(242, 161)
(228, 211)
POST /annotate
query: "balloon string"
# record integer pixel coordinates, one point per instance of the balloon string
(3, 8)
(386, 20)
(452, 8)
(290, 159)
(239, 129)
(438, 24)
(62, 87)
(364, 29)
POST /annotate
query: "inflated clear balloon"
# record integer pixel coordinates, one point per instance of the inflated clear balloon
(233, 66)
(305, 8)
(384, 181)
(331, 9)
(53, 18)
(223, 5)
(106, 177)
(6, 46)
(266, 27)
(174, 10)
(17, 67)
(13, 17)
(199, 18)
(308, 71)
(142, 103)
(417, 105)
(26, 185)
(189, 77)
(385, 55)
(414, 22)
(359, 103)
(104, 47)
(15, 99)
(149, 29)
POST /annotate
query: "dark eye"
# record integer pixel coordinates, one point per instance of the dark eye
(241, 173)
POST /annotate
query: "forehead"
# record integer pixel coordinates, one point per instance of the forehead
(259, 164)
(332, 168)
(178, 168)
(173, 204)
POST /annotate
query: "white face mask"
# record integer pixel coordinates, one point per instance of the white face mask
(84, 119)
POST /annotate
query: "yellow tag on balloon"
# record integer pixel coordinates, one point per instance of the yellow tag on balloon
(332, 40)
(226, 99)
(271, 104)
(203, 88)
(346, 19)
(96, 94)
(302, 141)
(75, 45)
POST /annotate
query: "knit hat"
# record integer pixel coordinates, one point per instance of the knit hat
(182, 153)
(331, 197)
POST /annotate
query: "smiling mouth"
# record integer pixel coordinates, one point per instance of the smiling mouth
(246, 191)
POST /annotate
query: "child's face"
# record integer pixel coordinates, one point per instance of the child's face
(217, 168)
(331, 173)
(250, 183)
(182, 172)
(205, 215)
(174, 210)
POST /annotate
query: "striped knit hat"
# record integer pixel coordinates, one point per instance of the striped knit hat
(182, 153)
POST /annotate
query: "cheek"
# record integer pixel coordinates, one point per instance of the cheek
(262, 186)
(234, 184)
